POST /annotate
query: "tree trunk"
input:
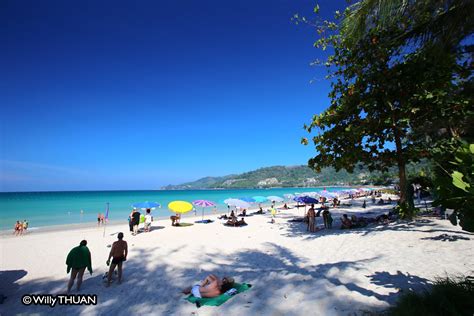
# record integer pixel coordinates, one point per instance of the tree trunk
(401, 168)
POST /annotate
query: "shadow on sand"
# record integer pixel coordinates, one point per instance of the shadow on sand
(155, 285)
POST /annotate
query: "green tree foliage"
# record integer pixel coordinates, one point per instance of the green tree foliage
(454, 181)
(298, 176)
(395, 84)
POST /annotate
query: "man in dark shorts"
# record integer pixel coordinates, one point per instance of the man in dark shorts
(118, 253)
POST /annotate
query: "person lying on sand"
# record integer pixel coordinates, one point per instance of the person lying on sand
(244, 212)
(345, 222)
(211, 286)
(235, 222)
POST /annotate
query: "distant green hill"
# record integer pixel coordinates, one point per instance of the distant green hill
(294, 176)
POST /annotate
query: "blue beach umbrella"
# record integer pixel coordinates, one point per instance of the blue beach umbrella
(146, 205)
(259, 198)
(305, 200)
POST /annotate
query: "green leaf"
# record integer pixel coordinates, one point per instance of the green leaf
(458, 181)
(316, 9)
(471, 148)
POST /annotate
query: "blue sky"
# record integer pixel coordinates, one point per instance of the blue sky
(99, 95)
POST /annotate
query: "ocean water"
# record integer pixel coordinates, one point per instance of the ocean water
(60, 208)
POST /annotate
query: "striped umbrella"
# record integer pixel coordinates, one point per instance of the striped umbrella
(203, 204)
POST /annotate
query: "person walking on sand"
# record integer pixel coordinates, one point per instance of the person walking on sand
(98, 219)
(25, 225)
(135, 221)
(148, 220)
(18, 228)
(118, 253)
(311, 219)
(78, 259)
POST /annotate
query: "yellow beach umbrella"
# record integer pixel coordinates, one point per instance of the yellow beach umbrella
(180, 207)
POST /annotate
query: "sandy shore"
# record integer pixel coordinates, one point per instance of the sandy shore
(293, 272)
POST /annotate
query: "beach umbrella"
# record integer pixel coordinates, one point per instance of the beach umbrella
(180, 207)
(328, 194)
(305, 200)
(203, 204)
(275, 198)
(312, 194)
(247, 199)
(259, 198)
(237, 203)
(146, 205)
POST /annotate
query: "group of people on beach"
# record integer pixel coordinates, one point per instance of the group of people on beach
(134, 221)
(312, 214)
(100, 219)
(79, 259)
(20, 227)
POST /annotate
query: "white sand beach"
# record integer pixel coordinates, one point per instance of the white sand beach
(293, 272)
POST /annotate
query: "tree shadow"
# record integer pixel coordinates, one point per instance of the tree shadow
(446, 237)
(299, 229)
(398, 282)
(280, 279)
(8, 284)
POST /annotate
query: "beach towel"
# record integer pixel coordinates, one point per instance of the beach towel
(221, 299)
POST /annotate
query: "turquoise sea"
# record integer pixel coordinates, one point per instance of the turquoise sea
(60, 208)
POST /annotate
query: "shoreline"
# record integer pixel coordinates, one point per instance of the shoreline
(114, 223)
(354, 270)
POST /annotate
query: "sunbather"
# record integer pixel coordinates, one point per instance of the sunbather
(211, 286)
(235, 222)
(345, 222)
(244, 212)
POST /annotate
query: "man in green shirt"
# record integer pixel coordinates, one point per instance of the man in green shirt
(78, 259)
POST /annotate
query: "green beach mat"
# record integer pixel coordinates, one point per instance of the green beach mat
(218, 300)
